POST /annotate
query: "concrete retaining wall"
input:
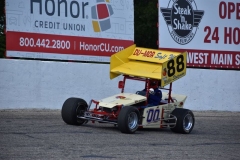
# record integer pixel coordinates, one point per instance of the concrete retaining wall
(39, 84)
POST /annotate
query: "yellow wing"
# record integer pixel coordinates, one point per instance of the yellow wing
(166, 66)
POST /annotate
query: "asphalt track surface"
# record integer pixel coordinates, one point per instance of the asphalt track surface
(41, 134)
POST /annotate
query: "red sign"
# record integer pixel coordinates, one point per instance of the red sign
(211, 59)
(46, 43)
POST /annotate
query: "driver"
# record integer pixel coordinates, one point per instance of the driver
(155, 95)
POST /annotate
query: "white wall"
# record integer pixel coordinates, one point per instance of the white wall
(39, 84)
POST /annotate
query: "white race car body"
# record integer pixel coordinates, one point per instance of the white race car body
(125, 99)
(153, 117)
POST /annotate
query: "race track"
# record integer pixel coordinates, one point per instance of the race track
(41, 134)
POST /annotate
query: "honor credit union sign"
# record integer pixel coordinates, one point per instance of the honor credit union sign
(68, 30)
(208, 30)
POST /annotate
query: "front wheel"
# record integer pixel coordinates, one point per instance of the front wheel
(72, 108)
(128, 119)
(185, 120)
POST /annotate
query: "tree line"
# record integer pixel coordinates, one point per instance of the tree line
(145, 24)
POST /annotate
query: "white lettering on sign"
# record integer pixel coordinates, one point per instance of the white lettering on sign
(237, 62)
(181, 25)
(182, 11)
(104, 47)
(224, 59)
(197, 58)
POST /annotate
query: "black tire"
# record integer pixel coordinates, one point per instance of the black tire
(185, 120)
(128, 119)
(72, 108)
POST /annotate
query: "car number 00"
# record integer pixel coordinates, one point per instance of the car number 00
(153, 115)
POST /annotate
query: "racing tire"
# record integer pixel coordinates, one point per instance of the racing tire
(72, 108)
(128, 119)
(185, 120)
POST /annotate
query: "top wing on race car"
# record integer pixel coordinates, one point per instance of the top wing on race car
(166, 66)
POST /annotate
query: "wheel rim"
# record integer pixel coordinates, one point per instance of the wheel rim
(187, 122)
(132, 120)
(80, 112)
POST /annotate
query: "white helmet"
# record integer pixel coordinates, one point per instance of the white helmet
(151, 91)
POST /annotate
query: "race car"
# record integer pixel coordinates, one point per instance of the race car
(130, 111)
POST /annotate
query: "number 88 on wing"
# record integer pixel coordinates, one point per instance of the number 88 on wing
(174, 68)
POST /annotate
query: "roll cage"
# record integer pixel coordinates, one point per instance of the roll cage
(121, 85)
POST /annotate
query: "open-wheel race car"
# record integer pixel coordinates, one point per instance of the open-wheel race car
(130, 111)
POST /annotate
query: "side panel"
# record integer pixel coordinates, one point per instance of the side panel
(174, 69)
(177, 98)
(151, 117)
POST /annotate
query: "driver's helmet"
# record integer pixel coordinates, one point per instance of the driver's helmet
(151, 91)
(153, 84)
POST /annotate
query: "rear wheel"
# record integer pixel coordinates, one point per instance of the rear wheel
(72, 108)
(128, 119)
(185, 120)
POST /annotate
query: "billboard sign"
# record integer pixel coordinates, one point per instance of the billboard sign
(208, 30)
(89, 30)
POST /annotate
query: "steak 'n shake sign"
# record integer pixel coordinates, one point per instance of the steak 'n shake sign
(88, 30)
(208, 30)
(184, 20)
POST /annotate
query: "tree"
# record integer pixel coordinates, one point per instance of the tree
(2, 26)
(145, 23)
